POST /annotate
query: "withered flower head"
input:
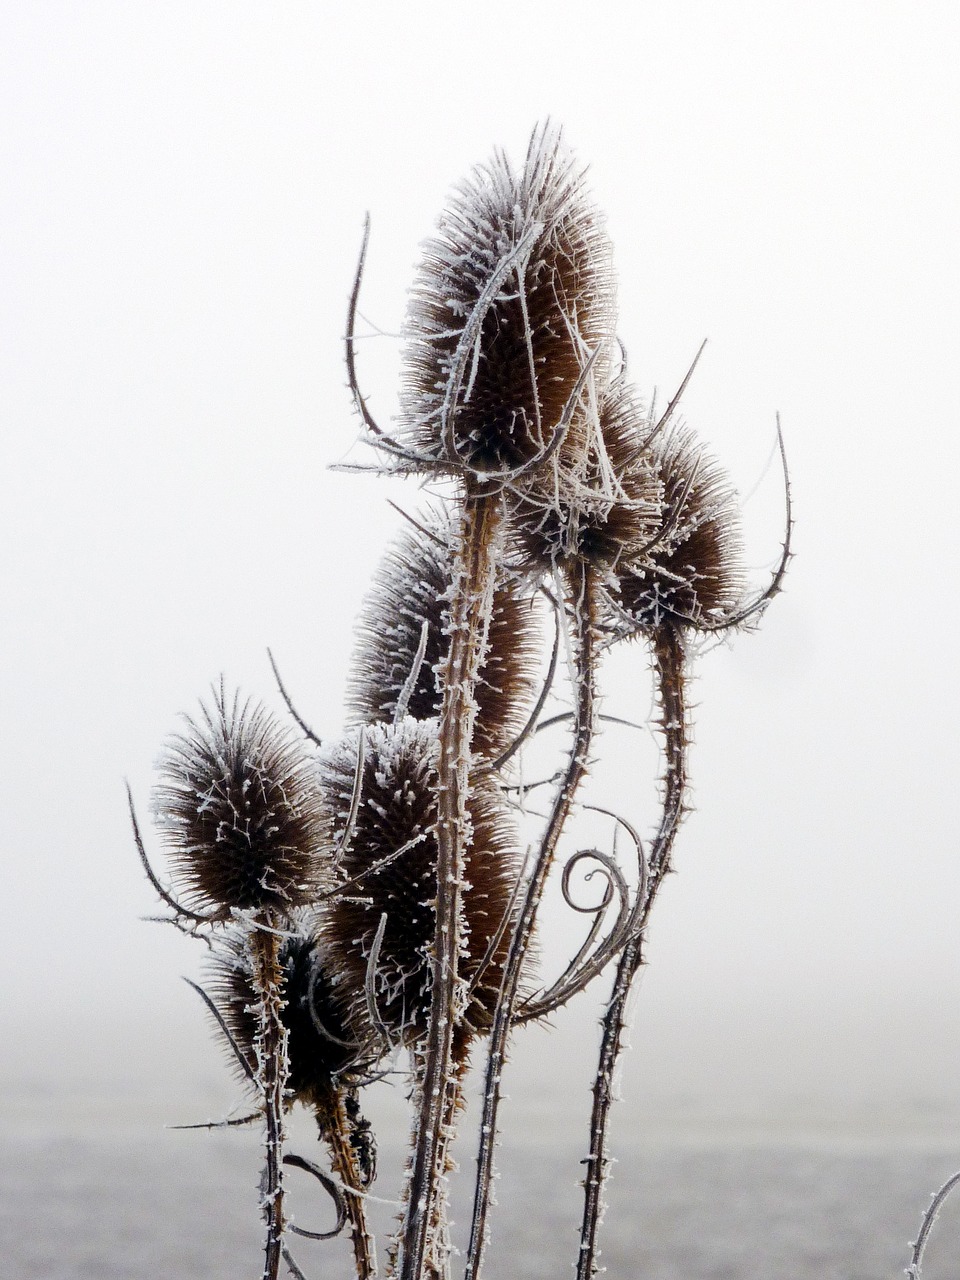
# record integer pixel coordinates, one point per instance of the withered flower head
(694, 575)
(239, 807)
(604, 509)
(321, 1043)
(514, 293)
(396, 664)
(379, 932)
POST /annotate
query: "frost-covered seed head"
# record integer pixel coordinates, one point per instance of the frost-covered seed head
(314, 1058)
(495, 345)
(694, 575)
(606, 506)
(410, 588)
(239, 807)
(398, 806)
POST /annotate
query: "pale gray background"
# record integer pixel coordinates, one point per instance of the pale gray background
(183, 187)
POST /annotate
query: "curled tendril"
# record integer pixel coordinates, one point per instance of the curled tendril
(332, 1189)
(582, 969)
(606, 867)
(630, 920)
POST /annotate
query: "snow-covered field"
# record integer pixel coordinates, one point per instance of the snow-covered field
(107, 1192)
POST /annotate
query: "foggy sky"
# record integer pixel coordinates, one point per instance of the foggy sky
(183, 189)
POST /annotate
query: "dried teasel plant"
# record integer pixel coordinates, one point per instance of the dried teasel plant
(239, 808)
(373, 899)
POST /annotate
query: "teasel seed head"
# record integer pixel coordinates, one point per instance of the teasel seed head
(322, 1045)
(386, 923)
(396, 662)
(605, 508)
(514, 292)
(239, 807)
(694, 575)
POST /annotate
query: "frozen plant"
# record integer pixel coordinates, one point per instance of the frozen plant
(371, 899)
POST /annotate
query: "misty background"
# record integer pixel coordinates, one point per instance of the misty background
(183, 189)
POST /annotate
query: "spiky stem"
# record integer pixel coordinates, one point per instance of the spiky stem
(335, 1130)
(271, 1051)
(582, 603)
(670, 668)
(471, 602)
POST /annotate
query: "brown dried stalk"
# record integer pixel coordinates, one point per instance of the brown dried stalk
(582, 608)
(670, 664)
(271, 1049)
(335, 1129)
(472, 600)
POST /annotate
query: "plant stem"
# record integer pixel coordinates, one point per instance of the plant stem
(670, 667)
(272, 1077)
(474, 571)
(583, 607)
(334, 1128)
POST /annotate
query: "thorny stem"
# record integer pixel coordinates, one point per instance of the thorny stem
(669, 662)
(926, 1226)
(335, 1130)
(436, 1260)
(470, 607)
(271, 1049)
(583, 607)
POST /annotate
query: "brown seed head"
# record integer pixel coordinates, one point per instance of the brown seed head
(410, 588)
(321, 1043)
(514, 291)
(694, 574)
(601, 508)
(238, 804)
(398, 808)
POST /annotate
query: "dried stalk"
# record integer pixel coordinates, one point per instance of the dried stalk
(669, 661)
(470, 607)
(335, 1128)
(271, 1047)
(507, 389)
(584, 642)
